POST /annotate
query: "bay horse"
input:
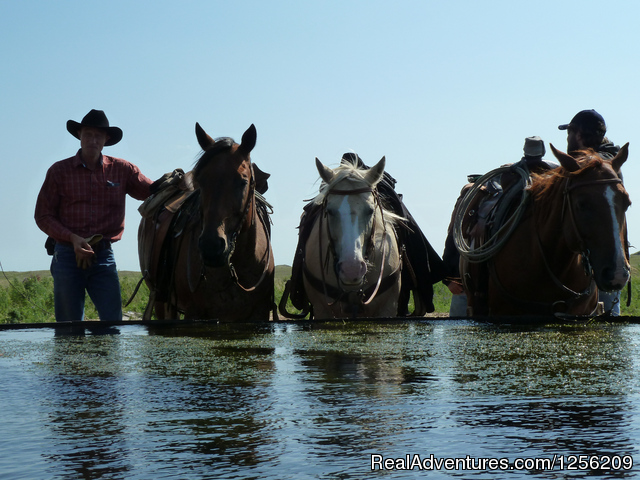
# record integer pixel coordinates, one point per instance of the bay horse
(217, 249)
(570, 242)
(352, 263)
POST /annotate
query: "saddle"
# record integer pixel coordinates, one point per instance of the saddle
(486, 218)
(482, 213)
(173, 202)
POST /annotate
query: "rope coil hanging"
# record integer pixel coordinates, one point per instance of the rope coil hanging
(484, 252)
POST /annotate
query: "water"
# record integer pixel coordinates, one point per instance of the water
(326, 400)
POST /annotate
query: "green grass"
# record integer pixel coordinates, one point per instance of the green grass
(27, 297)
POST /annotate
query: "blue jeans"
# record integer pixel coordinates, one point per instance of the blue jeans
(611, 302)
(70, 282)
(458, 307)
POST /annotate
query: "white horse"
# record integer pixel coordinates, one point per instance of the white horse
(352, 262)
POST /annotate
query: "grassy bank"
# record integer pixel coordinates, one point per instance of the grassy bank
(27, 297)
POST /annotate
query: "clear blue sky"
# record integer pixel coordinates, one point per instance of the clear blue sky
(442, 89)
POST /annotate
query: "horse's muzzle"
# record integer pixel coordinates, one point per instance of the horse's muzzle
(351, 274)
(613, 279)
(213, 250)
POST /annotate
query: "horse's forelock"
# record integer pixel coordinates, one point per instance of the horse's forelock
(343, 172)
(221, 145)
(357, 174)
(589, 161)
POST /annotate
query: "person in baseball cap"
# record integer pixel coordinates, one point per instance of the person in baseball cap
(587, 129)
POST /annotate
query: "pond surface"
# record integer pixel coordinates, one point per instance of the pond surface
(326, 400)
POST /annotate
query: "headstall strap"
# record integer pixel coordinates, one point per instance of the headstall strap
(600, 181)
(357, 191)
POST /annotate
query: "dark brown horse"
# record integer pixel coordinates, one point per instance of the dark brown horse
(216, 261)
(570, 242)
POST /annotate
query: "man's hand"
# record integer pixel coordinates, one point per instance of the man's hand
(85, 256)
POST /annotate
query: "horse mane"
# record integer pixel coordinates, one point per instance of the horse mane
(543, 183)
(221, 145)
(351, 171)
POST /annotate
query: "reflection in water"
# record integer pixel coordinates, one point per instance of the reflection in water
(86, 400)
(313, 400)
(543, 427)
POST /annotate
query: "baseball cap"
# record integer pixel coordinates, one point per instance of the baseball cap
(588, 121)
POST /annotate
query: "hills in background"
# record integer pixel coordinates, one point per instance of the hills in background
(282, 273)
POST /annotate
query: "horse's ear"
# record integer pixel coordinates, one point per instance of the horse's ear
(566, 160)
(248, 140)
(620, 158)
(204, 140)
(325, 172)
(374, 174)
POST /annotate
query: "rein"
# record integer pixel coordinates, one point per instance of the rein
(265, 259)
(250, 208)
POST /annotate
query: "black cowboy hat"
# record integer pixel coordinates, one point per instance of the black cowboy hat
(96, 119)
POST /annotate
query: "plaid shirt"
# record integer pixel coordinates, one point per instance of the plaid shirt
(74, 199)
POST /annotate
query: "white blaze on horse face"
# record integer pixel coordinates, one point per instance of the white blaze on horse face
(621, 275)
(351, 265)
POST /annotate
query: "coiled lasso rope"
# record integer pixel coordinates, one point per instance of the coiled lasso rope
(495, 243)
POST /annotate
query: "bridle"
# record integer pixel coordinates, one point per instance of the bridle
(569, 187)
(582, 250)
(352, 297)
(250, 208)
